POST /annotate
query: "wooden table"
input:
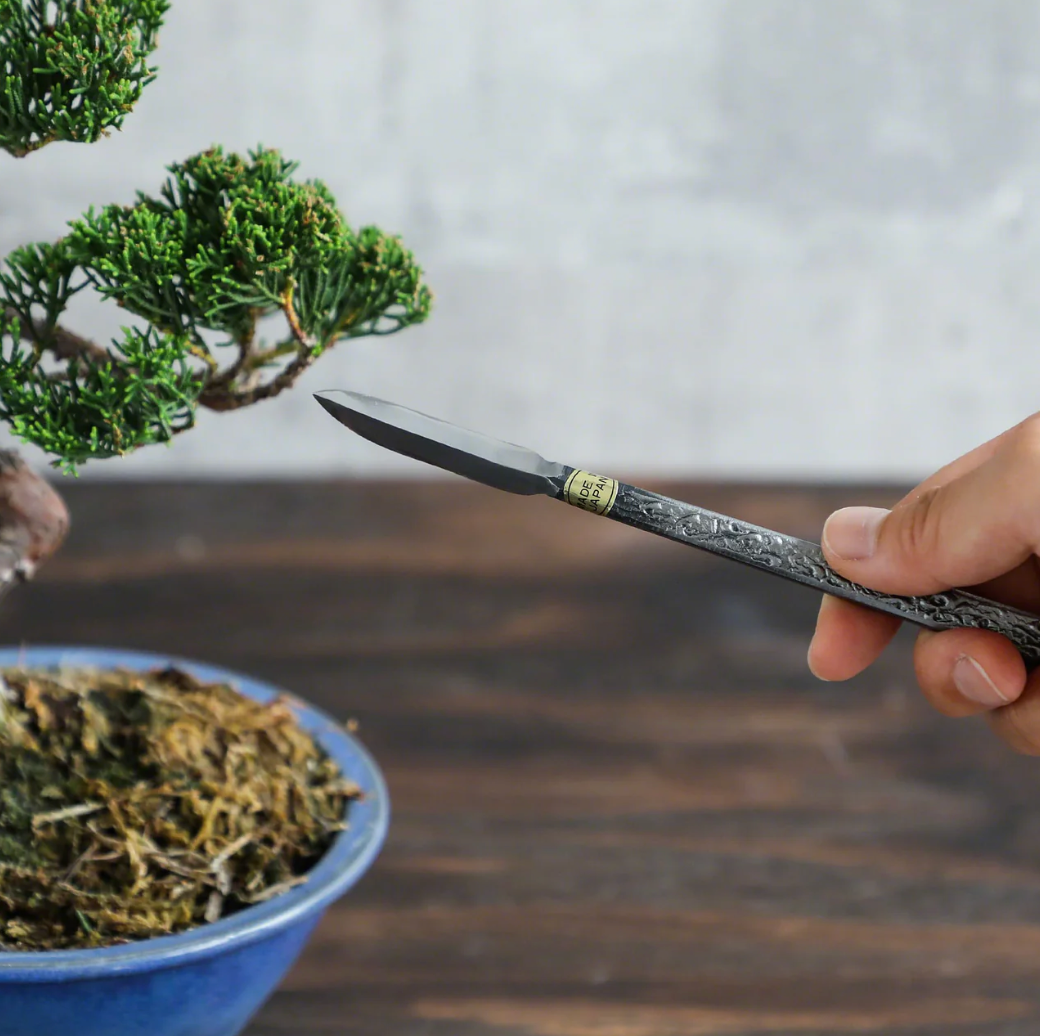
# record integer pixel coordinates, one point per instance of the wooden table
(622, 805)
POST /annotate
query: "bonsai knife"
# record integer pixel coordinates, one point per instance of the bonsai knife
(518, 470)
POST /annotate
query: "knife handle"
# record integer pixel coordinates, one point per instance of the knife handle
(789, 557)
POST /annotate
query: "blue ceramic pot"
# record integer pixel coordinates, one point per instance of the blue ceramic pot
(211, 980)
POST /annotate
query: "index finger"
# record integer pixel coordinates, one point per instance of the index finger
(963, 464)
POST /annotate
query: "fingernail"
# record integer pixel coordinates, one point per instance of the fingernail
(974, 683)
(852, 532)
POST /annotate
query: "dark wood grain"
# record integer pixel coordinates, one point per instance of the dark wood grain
(621, 804)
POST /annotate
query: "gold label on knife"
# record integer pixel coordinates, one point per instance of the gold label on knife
(590, 492)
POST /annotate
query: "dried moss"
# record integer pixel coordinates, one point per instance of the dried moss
(139, 804)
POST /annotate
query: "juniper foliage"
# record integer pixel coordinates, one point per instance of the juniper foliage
(227, 241)
(72, 70)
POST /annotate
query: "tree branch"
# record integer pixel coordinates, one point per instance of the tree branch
(223, 380)
(220, 395)
(222, 398)
(306, 342)
(63, 343)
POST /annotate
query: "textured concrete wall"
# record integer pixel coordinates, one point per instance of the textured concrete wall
(739, 237)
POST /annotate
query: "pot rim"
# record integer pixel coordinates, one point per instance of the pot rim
(349, 856)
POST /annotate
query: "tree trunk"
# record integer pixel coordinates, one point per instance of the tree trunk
(33, 520)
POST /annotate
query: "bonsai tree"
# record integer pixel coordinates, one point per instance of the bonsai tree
(226, 241)
(138, 804)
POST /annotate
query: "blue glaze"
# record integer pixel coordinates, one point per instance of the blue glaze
(212, 980)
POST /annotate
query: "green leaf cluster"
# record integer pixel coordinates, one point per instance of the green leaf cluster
(72, 69)
(231, 239)
(227, 241)
(94, 409)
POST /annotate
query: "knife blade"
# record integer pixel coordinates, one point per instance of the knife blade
(516, 469)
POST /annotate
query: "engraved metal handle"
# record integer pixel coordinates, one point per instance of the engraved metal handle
(791, 558)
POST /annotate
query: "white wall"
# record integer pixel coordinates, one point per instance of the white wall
(762, 238)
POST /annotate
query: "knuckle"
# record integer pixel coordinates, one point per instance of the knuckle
(918, 531)
(1021, 469)
(1025, 442)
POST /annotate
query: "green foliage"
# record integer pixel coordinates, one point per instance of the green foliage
(227, 241)
(146, 394)
(72, 69)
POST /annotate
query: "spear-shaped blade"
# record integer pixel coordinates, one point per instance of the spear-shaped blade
(517, 470)
(500, 465)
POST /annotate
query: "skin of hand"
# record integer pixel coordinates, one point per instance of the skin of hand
(975, 524)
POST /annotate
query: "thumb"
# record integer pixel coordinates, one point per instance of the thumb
(963, 533)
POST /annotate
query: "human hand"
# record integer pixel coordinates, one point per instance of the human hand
(976, 525)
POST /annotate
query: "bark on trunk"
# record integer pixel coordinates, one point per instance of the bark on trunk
(33, 520)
